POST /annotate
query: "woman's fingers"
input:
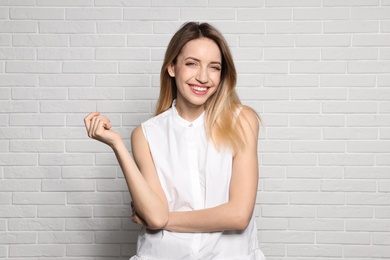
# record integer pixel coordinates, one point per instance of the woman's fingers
(96, 124)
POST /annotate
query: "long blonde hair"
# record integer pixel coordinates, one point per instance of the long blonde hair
(221, 122)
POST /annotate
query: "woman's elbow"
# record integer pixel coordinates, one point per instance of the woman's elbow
(241, 221)
(158, 222)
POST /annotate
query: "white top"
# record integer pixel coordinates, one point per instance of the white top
(194, 175)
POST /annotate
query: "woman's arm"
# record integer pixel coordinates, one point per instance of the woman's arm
(145, 189)
(237, 212)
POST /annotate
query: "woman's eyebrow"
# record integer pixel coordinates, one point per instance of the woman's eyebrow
(198, 60)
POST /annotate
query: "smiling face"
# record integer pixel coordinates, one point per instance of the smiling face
(197, 74)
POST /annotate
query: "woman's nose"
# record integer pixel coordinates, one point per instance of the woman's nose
(202, 75)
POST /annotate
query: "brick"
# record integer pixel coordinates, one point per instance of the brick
(101, 172)
(287, 237)
(349, 107)
(291, 80)
(368, 146)
(267, 40)
(39, 94)
(269, 67)
(64, 133)
(371, 40)
(349, 81)
(17, 2)
(346, 159)
(351, 26)
(317, 146)
(93, 14)
(318, 94)
(17, 211)
(311, 224)
(123, 80)
(385, 26)
(150, 14)
(321, 13)
(368, 120)
(66, 27)
(112, 185)
(384, 133)
(292, 107)
(140, 67)
(94, 198)
(5, 199)
(316, 172)
(291, 54)
(93, 250)
(66, 238)
(370, 13)
(18, 27)
(70, 3)
(18, 106)
(289, 159)
(19, 185)
(21, 159)
(124, 27)
(369, 67)
(41, 198)
(17, 54)
(383, 80)
(273, 198)
(98, 224)
(35, 224)
(141, 93)
(32, 67)
(25, 172)
(317, 120)
(123, 106)
(68, 185)
(314, 67)
(67, 106)
(350, 133)
(36, 250)
(112, 211)
(5, 94)
(291, 185)
(37, 13)
(292, 3)
(326, 251)
(71, 80)
(89, 67)
(177, 3)
(372, 225)
(288, 211)
(349, 54)
(17, 238)
(359, 172)
(37, 146)
(345, 212)
(367, 251)
(64, 211)
(65, 159)
(119, 237)
(369, 94)
(351, 3)
(32, 40)
(348, 186)
(384, 54)
(368, 199)
(382, 212)
(5, 40)
(136, 54)
(131, 3)
(98, 40)
(381, 239)
(65, 54)
(296, 27)
(96, 93)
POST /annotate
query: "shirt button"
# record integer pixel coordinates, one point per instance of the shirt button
(190, 125)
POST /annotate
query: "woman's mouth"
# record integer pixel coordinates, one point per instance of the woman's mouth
(199, 90)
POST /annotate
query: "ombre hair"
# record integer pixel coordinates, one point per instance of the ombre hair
(221, 120)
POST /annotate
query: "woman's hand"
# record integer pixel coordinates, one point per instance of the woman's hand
(99, 128)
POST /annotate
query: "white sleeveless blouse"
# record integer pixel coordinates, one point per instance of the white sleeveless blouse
(194, 175)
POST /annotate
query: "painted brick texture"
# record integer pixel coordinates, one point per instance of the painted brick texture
(318, 72)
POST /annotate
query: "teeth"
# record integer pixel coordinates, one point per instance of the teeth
(199, 88)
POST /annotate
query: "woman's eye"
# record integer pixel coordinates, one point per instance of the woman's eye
(190, 63)
(216, 68)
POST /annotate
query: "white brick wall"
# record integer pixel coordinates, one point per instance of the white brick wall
(317, 71)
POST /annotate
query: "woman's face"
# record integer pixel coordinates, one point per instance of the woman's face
(197, 72)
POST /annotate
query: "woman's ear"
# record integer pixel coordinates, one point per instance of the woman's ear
(171, 70)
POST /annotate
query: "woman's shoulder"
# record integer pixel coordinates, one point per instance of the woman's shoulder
(158, 119)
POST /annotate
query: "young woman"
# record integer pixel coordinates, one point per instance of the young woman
(193, 180)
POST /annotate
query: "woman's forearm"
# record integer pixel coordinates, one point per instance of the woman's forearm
(148, 204)
(224, 217)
